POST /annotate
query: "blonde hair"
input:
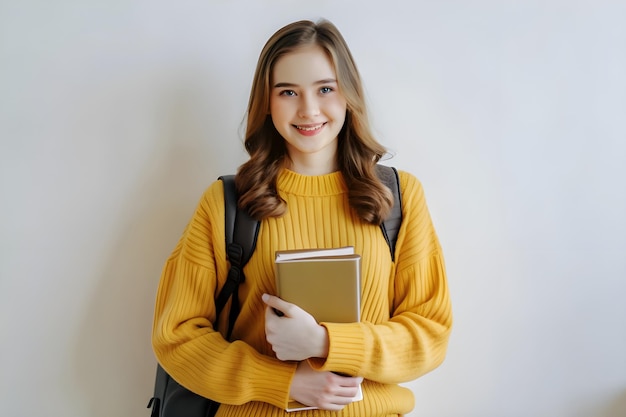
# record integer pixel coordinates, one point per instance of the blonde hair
(357, 150)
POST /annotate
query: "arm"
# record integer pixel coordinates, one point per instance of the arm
(413, 340)
(184, 340)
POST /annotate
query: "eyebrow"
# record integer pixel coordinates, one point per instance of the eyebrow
(325, 81)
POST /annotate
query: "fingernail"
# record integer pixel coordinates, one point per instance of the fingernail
(265, 297)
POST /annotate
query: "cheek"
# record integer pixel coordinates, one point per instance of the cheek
(278, 110)
(339, 104)
(339, 109)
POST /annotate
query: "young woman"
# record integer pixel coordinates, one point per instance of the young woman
(311, 180)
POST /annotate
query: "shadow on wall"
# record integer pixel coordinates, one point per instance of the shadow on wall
(617, 408)
(114, 361)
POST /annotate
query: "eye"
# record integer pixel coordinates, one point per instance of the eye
(289, 93)
(326, 90)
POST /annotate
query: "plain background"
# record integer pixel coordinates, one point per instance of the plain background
(116, 115)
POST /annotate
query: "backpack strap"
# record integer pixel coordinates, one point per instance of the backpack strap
(241, 235)
(391, 225)
(170, 398)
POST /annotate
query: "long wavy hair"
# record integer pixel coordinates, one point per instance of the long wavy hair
(357, 149)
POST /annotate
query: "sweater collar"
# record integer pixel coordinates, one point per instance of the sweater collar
(311, 185)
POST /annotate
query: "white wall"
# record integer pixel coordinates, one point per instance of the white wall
(115, 115)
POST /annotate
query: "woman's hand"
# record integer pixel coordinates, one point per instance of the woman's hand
(294, 335)
(324, 390)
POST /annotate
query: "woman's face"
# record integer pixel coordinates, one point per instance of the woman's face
(307, 109)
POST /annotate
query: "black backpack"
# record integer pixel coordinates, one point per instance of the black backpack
(172, 399)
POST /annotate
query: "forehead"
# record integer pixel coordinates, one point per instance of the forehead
(305, 65)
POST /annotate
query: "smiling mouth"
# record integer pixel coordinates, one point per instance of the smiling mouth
(309, 128)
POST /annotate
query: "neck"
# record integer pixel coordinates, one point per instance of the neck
(312, 166)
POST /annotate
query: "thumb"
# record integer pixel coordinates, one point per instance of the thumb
(276, 303)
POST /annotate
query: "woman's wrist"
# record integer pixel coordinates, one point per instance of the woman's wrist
(322, 342)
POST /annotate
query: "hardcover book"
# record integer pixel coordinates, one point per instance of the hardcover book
(324, 282)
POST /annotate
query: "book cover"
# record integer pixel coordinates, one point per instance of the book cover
(324, 282)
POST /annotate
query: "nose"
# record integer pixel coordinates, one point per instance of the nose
(309, 106)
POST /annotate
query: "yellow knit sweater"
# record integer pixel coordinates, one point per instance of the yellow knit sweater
(405, 319)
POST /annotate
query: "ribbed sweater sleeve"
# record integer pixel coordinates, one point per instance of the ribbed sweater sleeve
(412, 340)
(184, 340)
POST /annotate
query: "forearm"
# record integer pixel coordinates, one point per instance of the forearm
(412, 342)
(199, 357)
(231, 373)
(393, 352)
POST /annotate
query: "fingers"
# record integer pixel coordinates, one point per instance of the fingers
(346, 381)
(294, 335)
(338, 395)
(347, 393)
(322, 389)
(351, 381)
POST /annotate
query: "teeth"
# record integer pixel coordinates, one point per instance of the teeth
(308, 129)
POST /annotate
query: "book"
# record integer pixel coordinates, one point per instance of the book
(326, 283)
(287, 255)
